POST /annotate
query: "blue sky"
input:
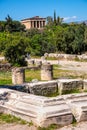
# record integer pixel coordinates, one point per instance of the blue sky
(70, 10)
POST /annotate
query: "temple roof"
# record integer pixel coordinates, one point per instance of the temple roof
(34, 18)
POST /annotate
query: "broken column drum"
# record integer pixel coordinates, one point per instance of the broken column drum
(18, 76)
(46, 72)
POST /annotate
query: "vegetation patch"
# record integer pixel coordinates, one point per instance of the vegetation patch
(51, 127)
(7, 118)
(32, 74)
(71, 91)
(5, 78)
(52, 94)
(74, 123)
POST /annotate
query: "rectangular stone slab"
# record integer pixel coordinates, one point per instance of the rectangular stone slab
(42, 111)
(78, 105)
(67, 85)
(45, 88)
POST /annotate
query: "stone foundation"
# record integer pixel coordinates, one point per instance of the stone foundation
(42, 111)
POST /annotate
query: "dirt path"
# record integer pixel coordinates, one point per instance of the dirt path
(16, 127)
(68, 65)
(79, 126)
(71, 65)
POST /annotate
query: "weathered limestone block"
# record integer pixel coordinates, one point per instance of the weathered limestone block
(46, 55)
(42, 111)
(67, 85)
(31, 62)
(38, 63)
(46, 71)
(18, 75)
(46, 88)
(71, 57)
(85, 84)
(78, 105)
(43, 58)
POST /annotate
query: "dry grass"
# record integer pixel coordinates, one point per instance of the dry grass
(5, 77)
(32, 74)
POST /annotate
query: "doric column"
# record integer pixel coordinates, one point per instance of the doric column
(42, 24)
(32, 24)
(39, 25)
(36, 24)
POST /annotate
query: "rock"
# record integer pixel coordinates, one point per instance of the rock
(34, 80)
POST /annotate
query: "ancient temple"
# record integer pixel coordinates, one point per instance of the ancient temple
(34, 22)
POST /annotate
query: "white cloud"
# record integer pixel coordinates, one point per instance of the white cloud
(74, 17)
(69, 18)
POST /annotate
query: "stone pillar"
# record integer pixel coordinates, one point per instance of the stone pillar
(46, 71)
(18, 75)
(32, 24)
(42, 23)
(39, 25)
(36, 24)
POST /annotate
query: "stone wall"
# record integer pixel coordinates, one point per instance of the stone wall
(61, 86)
(51, 88)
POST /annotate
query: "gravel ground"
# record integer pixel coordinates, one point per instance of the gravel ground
(79, 126)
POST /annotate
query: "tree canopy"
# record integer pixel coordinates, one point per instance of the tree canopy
(57, 36)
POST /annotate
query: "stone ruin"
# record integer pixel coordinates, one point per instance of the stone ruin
(66, 56)
(44, 111)
(28, 101)
(18, 74)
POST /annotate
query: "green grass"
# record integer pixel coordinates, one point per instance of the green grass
(51, 127)
(51, 58)
(80, 60)
(74, 123)
(52, 94)
(6, 78)
(32, 74)
(7, 118)
(71, 91)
